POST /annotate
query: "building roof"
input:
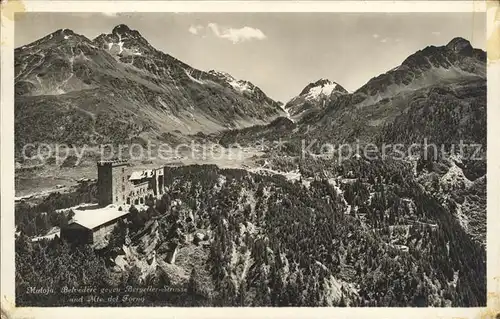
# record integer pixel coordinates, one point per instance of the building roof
(138, 175)
(115, 162)
(92, 218)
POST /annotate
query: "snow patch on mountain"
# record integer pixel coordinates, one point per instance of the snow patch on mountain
(238, 85)
(192, 78)
(287, 113)
(120, 45)
(241, 86)
(314, 97)
(222, 74)
(321, 89)
(325, 89)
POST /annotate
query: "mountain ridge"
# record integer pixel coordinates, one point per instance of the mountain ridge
(128, 81)
(445, 71)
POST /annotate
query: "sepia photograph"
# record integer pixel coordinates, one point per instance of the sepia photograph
(250, 159)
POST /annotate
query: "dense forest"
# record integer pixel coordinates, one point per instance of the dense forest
(370, 234)
(37, 217)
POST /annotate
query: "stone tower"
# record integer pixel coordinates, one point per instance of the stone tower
(111, 182)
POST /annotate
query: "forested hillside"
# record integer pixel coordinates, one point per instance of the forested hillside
(315, 210)
(375, 238)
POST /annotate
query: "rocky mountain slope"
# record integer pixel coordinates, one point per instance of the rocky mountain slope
(441, 88)
(117, 87)
(437, 92)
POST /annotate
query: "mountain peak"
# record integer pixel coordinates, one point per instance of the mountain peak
(322, 86)
(459, 44)
(57, 38)
(314, 97)
(59, 34)
(121, 29)
(123, 40)
(64, 32)
(432, 65)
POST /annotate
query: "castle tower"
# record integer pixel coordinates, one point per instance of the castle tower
(111, 182)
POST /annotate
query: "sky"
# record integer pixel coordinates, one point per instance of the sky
(279, 52)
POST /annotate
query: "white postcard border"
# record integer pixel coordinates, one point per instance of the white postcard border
(7, 155)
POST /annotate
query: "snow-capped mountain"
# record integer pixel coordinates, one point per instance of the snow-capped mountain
(313, 97)
(118, 86)
(322, 87)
